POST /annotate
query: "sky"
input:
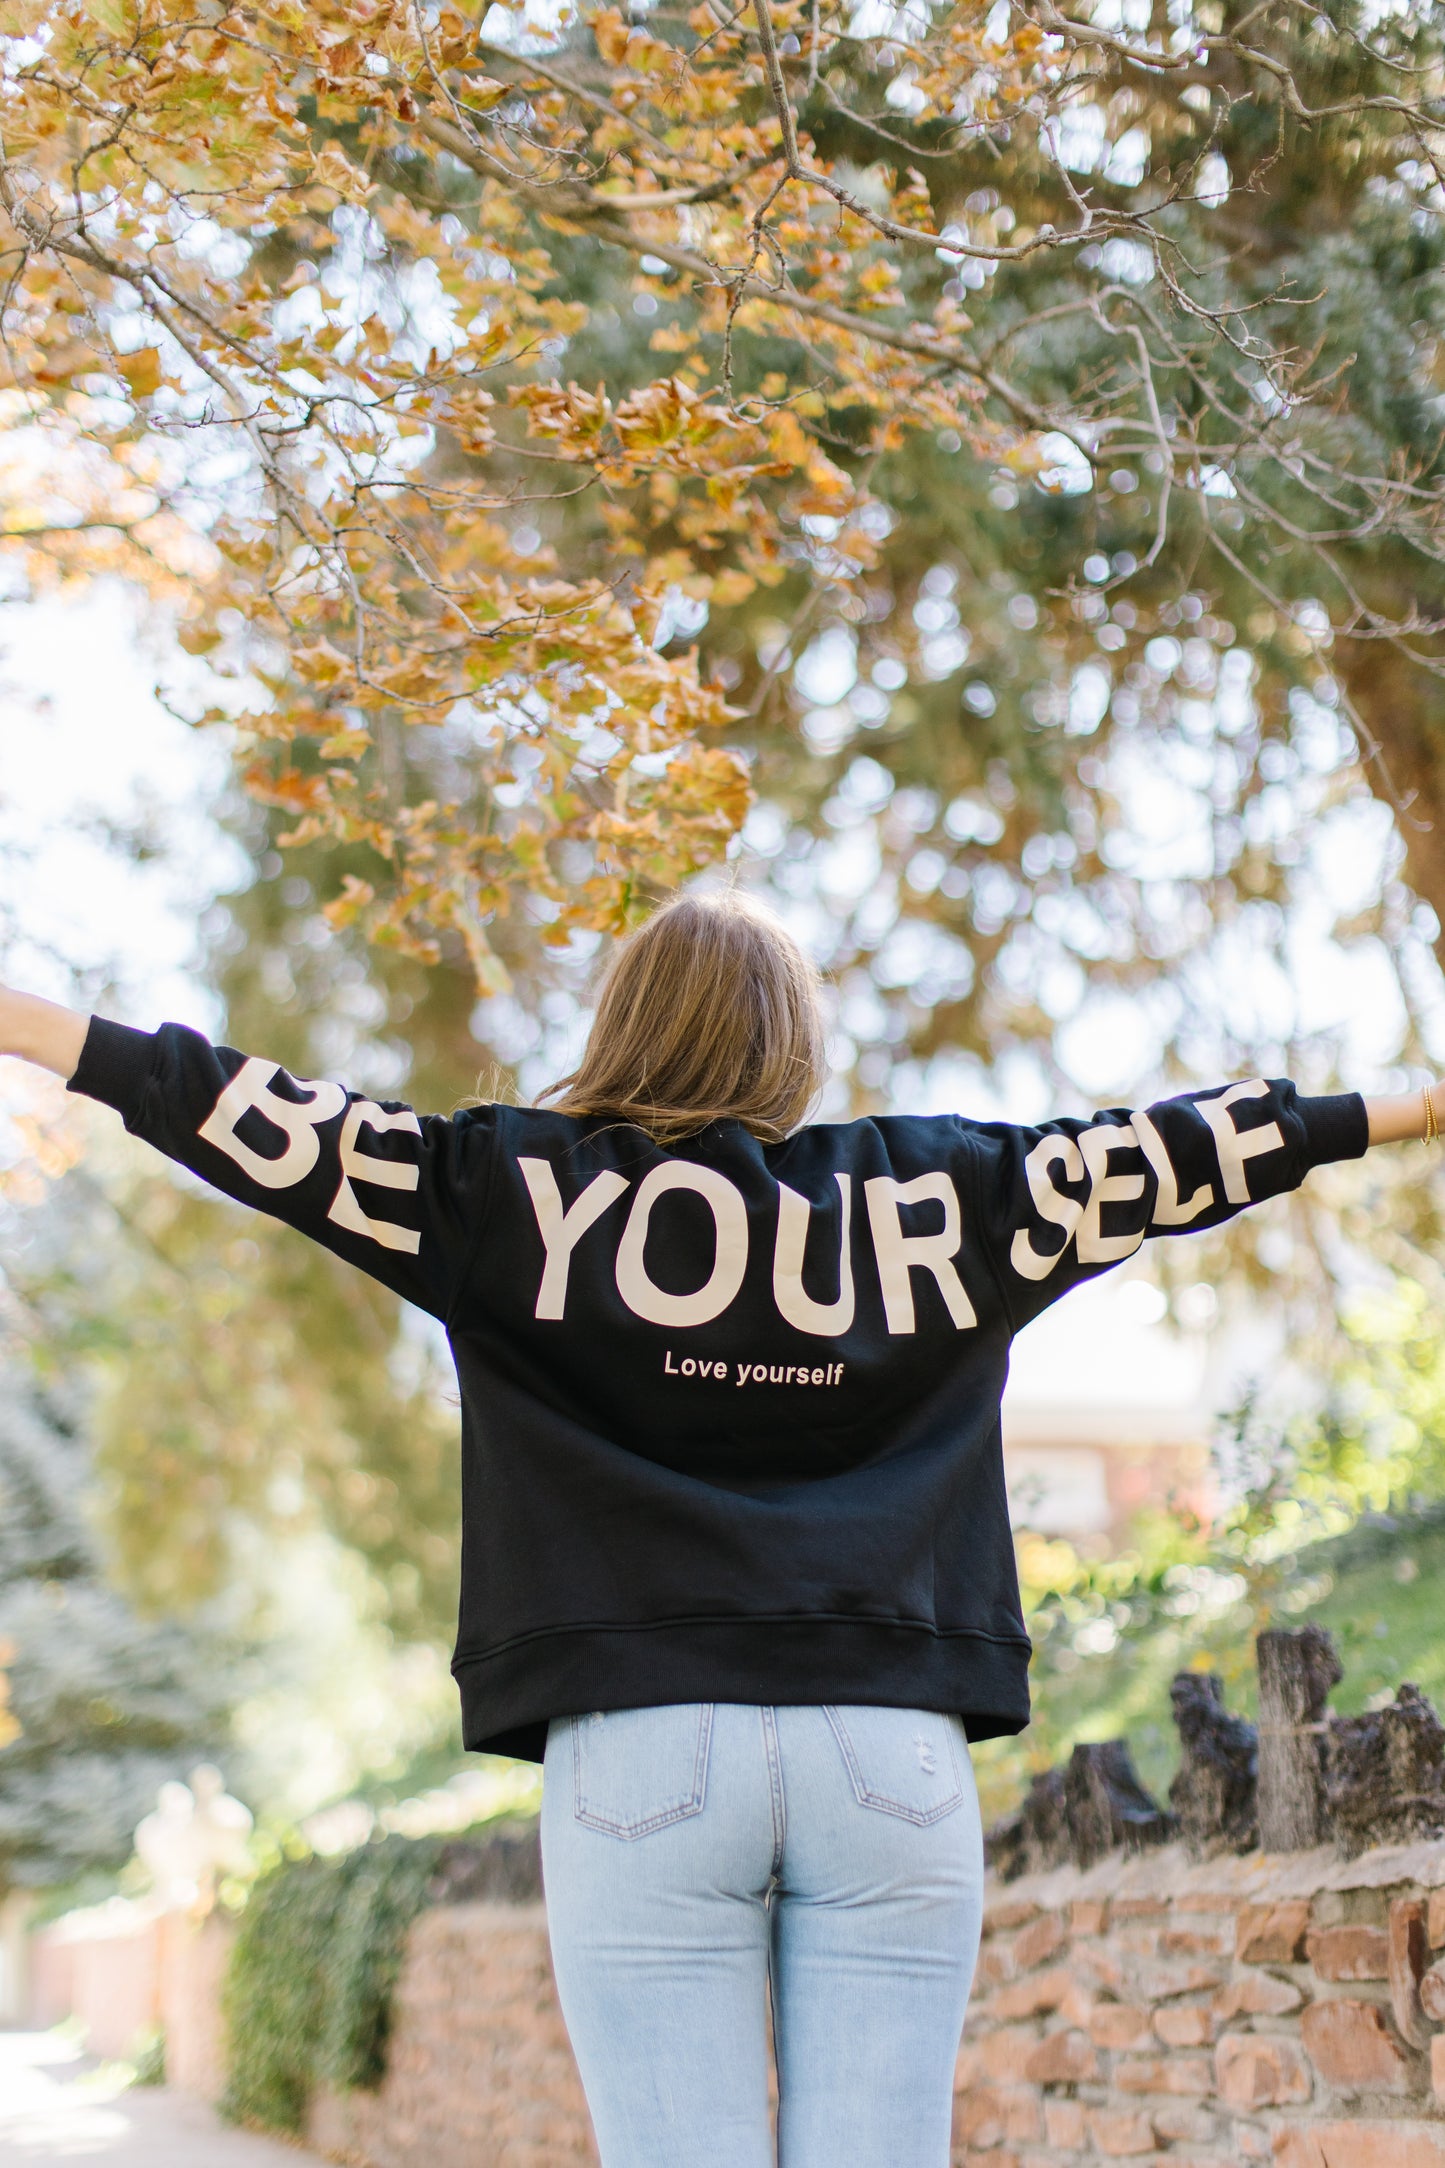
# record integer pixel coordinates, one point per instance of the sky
(89, 758)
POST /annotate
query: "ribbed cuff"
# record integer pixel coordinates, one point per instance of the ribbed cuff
(115, 1066)
(1336, 1127)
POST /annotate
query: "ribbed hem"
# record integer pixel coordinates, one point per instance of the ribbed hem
(509, 1699)
(1336, 1127)
(115, 1066)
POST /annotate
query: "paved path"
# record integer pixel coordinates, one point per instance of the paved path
(59, 2105)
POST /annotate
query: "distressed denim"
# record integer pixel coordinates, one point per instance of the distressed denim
(700, 1858)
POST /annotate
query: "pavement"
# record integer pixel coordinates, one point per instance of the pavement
(58, 2104)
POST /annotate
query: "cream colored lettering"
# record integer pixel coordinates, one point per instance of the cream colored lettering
(900, 1255)
(1051, 1204)
(1168, 1210)
(250, 1088)
(694, 1367)
(644, 1298)
(359, 1166)
(797, 1306)
(1236, 1146)
(1098, 1146)
(562, 1231)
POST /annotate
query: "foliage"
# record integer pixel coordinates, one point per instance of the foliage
(9, 1724)
(308, 1991)
(1374, 1587)
(106, 1705)
(243, 1388)
(307, 277)
(251, 1378)
(267, 1470)
(383, 1899)
(1339, 1517)
(149, 2058)
(1034, 418)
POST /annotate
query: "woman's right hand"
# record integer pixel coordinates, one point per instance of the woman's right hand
(42, 1032)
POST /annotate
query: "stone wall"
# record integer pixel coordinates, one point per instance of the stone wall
(479, 2070)
(1149, 2009)
(1158, 2009)
(1153, 1986)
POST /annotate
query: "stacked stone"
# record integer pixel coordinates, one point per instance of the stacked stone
(1288, 2009)
(479, 2068)
(1153, 1987)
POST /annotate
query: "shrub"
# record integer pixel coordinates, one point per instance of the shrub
(307, 1998)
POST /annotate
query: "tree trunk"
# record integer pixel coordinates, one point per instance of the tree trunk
(1405, 709)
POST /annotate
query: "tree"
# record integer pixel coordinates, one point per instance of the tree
(1055, 252)
(242, 1389)
(104, 1704)
(248, 1381)
(999, 399)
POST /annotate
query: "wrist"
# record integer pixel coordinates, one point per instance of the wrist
(41, 1032)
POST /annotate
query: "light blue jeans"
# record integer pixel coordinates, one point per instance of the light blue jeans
(696, 1856)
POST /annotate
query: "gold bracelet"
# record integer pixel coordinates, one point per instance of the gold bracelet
(1432, 1120)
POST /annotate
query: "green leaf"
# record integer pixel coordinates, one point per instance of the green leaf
(113, 16)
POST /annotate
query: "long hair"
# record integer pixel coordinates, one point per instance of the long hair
(708, 1012)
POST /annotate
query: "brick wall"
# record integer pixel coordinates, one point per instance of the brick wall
(479, 2069)
(1278, 2008)
(101, 1965)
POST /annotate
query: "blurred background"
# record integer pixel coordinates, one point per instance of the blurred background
(229, 1465)
(1071, 812)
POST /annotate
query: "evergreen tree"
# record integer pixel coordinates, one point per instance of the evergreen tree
(109, 1703)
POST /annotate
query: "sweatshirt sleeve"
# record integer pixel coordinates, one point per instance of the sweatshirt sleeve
(400, 1195)
(1061, 1203)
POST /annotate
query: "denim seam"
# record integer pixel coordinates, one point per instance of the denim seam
(776, 1795)
(627, 1831)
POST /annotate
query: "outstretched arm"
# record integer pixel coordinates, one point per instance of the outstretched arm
(399, 1194)
(52, 1036)
(1071, 1197)
(1407, 1115)
(41, 1031)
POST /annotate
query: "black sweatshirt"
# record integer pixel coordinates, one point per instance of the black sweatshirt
(730, 1411)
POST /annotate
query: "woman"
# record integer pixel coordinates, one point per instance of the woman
(736, 1559)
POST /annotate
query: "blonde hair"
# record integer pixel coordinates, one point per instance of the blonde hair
(709, 1012)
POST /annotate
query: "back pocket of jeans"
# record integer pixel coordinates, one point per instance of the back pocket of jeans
(636, 1770)
(900, 1761)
